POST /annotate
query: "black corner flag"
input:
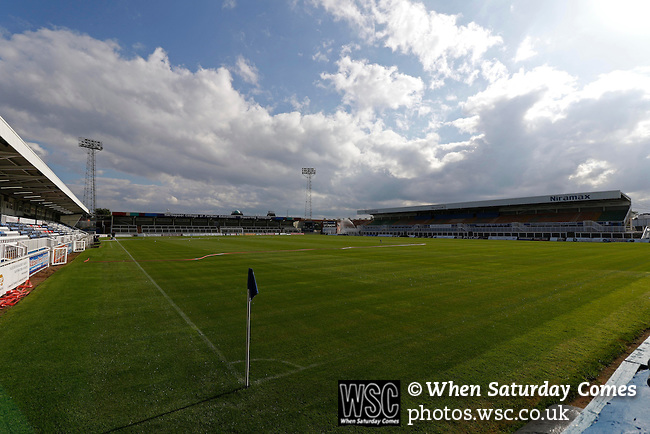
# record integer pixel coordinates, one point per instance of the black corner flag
(252, 292)
(252, 285)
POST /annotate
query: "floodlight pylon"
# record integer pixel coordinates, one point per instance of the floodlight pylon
(92, 146)
(308, 172)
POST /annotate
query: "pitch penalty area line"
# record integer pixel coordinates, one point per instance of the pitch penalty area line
(186, 318)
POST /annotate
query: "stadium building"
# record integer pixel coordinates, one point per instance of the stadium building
(29, 188)
(37, 215)
(592, 216)
(168, 224)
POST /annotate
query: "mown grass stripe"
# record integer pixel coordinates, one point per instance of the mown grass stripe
(186, 318)
(11, 419)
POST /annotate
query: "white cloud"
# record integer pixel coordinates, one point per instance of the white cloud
(319, 56)
(637, 79)
(229, 4)
(466, 125)
(299, 105)
(539, 131)
(372, 86)
(38, 150)
(593, 173)
(526, 50)
(188, 139)
(630, 124)
(493, 70)
(323, 52)
(443, 47)
(555, 89)
(358, 14)
(247, 71)
(640, 133)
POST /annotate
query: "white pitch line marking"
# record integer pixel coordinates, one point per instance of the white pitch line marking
(297, 368)
(186, 318)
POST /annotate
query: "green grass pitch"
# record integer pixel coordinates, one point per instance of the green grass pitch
(157, 345)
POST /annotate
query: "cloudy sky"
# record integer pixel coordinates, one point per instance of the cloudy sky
(211, 105)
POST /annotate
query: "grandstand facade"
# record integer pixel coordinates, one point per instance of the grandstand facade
(29, 188)
(37, 215)
(156, 224)
(34, 203)
(601, 215)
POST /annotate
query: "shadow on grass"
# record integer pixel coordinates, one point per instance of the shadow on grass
(203, 401)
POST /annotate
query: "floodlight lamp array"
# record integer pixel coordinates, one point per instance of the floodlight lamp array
(90, 144)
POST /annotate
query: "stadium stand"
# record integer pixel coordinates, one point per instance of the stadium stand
(29, 188)
(153, 224)
(593, 216)
(37, 212)
(30, 233)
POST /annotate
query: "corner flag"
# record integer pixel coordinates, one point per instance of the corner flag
(252, 285)
(252, 292)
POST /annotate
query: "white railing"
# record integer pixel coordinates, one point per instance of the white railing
(232, 231)
(9, 251)
(164, 229)
(13, 238)
(14, 246)
(125, 229)
(37, 244)
(592, 226)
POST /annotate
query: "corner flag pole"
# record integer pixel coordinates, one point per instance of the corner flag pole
(248, 343)
(252, 292)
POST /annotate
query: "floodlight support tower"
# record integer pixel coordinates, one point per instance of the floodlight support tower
(308, 172)
(92, 147)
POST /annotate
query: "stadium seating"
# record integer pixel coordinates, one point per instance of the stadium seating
(496, 218)
(493, 223)
(612, 216)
